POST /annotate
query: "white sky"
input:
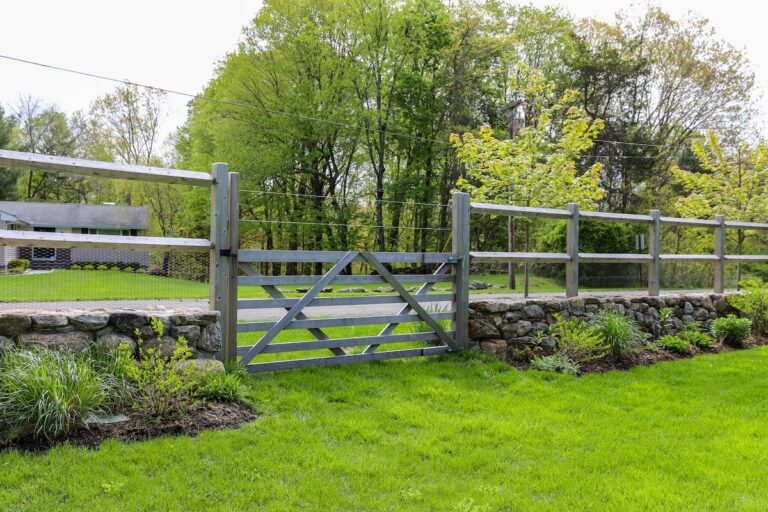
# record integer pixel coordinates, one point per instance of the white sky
(175, 44)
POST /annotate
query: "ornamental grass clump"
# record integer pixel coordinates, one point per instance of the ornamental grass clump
(46, 395)
(620, 333)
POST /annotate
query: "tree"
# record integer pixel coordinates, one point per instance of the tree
(8, 177)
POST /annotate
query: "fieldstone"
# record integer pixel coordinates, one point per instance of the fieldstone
(591, 300)
(708, 304)
(204, 366)
(696, 300)
(701, 314)
(75, 341)
(687, 308)
(516, 306)
(653, 312)
(191, 333)
(539, 327)
(643, 307)
(578, 306)
(13, 324)
(210, 338)
(721, 305)
(533, 311)
(591, 308)
(495, 348)
(512, 316)
(48, 321)
(480, 329)
(165, 345)
(207, 317)
(114, 340)
(687, 318)
(491, 306)
(6, 344)
(478, 285)
(129, 321)
(302, 290)
(89, 321)
(524, 327)
(353, 290)
(508, 330)
(383, 289)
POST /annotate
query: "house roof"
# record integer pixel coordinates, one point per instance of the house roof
(75, 215)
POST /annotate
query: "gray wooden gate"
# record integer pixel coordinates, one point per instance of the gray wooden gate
(339, 311)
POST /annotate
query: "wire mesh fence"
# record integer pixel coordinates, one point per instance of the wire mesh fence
(50, 279)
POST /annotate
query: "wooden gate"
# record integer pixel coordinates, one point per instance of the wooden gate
(269, 352)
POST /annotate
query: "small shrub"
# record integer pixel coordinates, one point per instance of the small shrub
(620, 333)
(18, 265)
(674, 344)
(694, 336)
(225, 387)
(46, 395)
(75, 267)
(102, 267)
(114, 268)
(128, 269)
(88, 267)
(557, 363)
(141, 271)
(753, 302)
(732, 330)
(665, 319)
(578, 340)
(162, 387)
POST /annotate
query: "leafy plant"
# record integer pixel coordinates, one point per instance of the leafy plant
(75, 267)
(162, 387)
(665, 318)
(753, 302)
(114, 268)
(694, 336)
(558, 363)
(102, 267)
(46, 395)
(578, 340)
(88, 267)
(732, 330)
(620, 333)
(18, 265)
(225, 387)
(674, 344)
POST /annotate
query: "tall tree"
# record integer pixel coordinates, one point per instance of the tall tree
(8, 177)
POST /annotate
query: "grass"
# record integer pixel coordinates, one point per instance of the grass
(70, 285)
(447, 434)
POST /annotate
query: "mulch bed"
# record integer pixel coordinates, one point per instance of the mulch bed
(645, 357)
(201, 416)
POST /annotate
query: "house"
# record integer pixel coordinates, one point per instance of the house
(105, 219)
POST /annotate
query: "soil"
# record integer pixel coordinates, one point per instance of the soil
(201, 416)
(644, 357)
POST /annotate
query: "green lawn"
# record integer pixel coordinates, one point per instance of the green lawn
(446, 434)
(69, 285)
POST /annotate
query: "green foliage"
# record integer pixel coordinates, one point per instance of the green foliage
(102, 267)
(753, 302)
(162, 387)
(620, 333)
(46, 395)
(665, 318)
(18, 265)
(114, 268)
(674, 344)
(225, 387)
(732, 330)
(128, 269)
(75, 267)
(694, 336)
(578, 340)
(88, 267)
(557, 363)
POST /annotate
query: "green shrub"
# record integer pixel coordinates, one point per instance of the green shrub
(141, 271)
(665, 318)
(557, 363)
(225, 387)
(46, 395)
(75, 267)
(18, 265)
(102, 267)
(578, 340)
(694, 336)
(674, 344)
(753, 302)
(162, 387)
(114, 268)
(620, 333)
(128, 269)
(88, 267)
(732, 330)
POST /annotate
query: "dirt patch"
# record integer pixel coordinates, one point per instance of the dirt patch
(201, 416)
(644, 357)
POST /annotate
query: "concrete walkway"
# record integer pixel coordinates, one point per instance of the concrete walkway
(274, 314)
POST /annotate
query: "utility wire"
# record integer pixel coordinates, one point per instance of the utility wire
(275, 111)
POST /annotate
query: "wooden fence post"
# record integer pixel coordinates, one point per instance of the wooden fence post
(654, 251)
(460, 246)
(572, 249)
(219, 265)
(230, 336)
(719, 233)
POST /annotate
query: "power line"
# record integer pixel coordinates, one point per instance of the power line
(275, 111)
(404, 228)
(317, 196)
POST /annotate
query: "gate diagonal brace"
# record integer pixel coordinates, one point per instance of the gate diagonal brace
(413, 303)
(275, 293)
(291, 314)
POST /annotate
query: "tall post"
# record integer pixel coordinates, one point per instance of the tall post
(572, 249)
(219, 266)
(719, 232)
(460, 246)
(654, 251)
(230, 335)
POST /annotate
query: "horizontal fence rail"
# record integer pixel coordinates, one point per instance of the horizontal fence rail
(78, 241)
(571, 258)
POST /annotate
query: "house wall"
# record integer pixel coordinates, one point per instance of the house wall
(7, 253)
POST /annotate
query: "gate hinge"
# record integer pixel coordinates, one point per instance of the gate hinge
(226, 253)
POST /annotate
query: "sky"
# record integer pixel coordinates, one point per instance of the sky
(175, 44)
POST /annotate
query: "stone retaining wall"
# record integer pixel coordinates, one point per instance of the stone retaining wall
(78, 330)
(512, 329)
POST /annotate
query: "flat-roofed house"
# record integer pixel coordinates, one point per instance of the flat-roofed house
(103, 219)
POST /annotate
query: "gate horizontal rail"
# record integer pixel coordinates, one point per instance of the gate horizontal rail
(340, 301)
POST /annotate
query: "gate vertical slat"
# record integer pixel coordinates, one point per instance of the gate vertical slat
(460, 246)
(219, 267)
(230, 324)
